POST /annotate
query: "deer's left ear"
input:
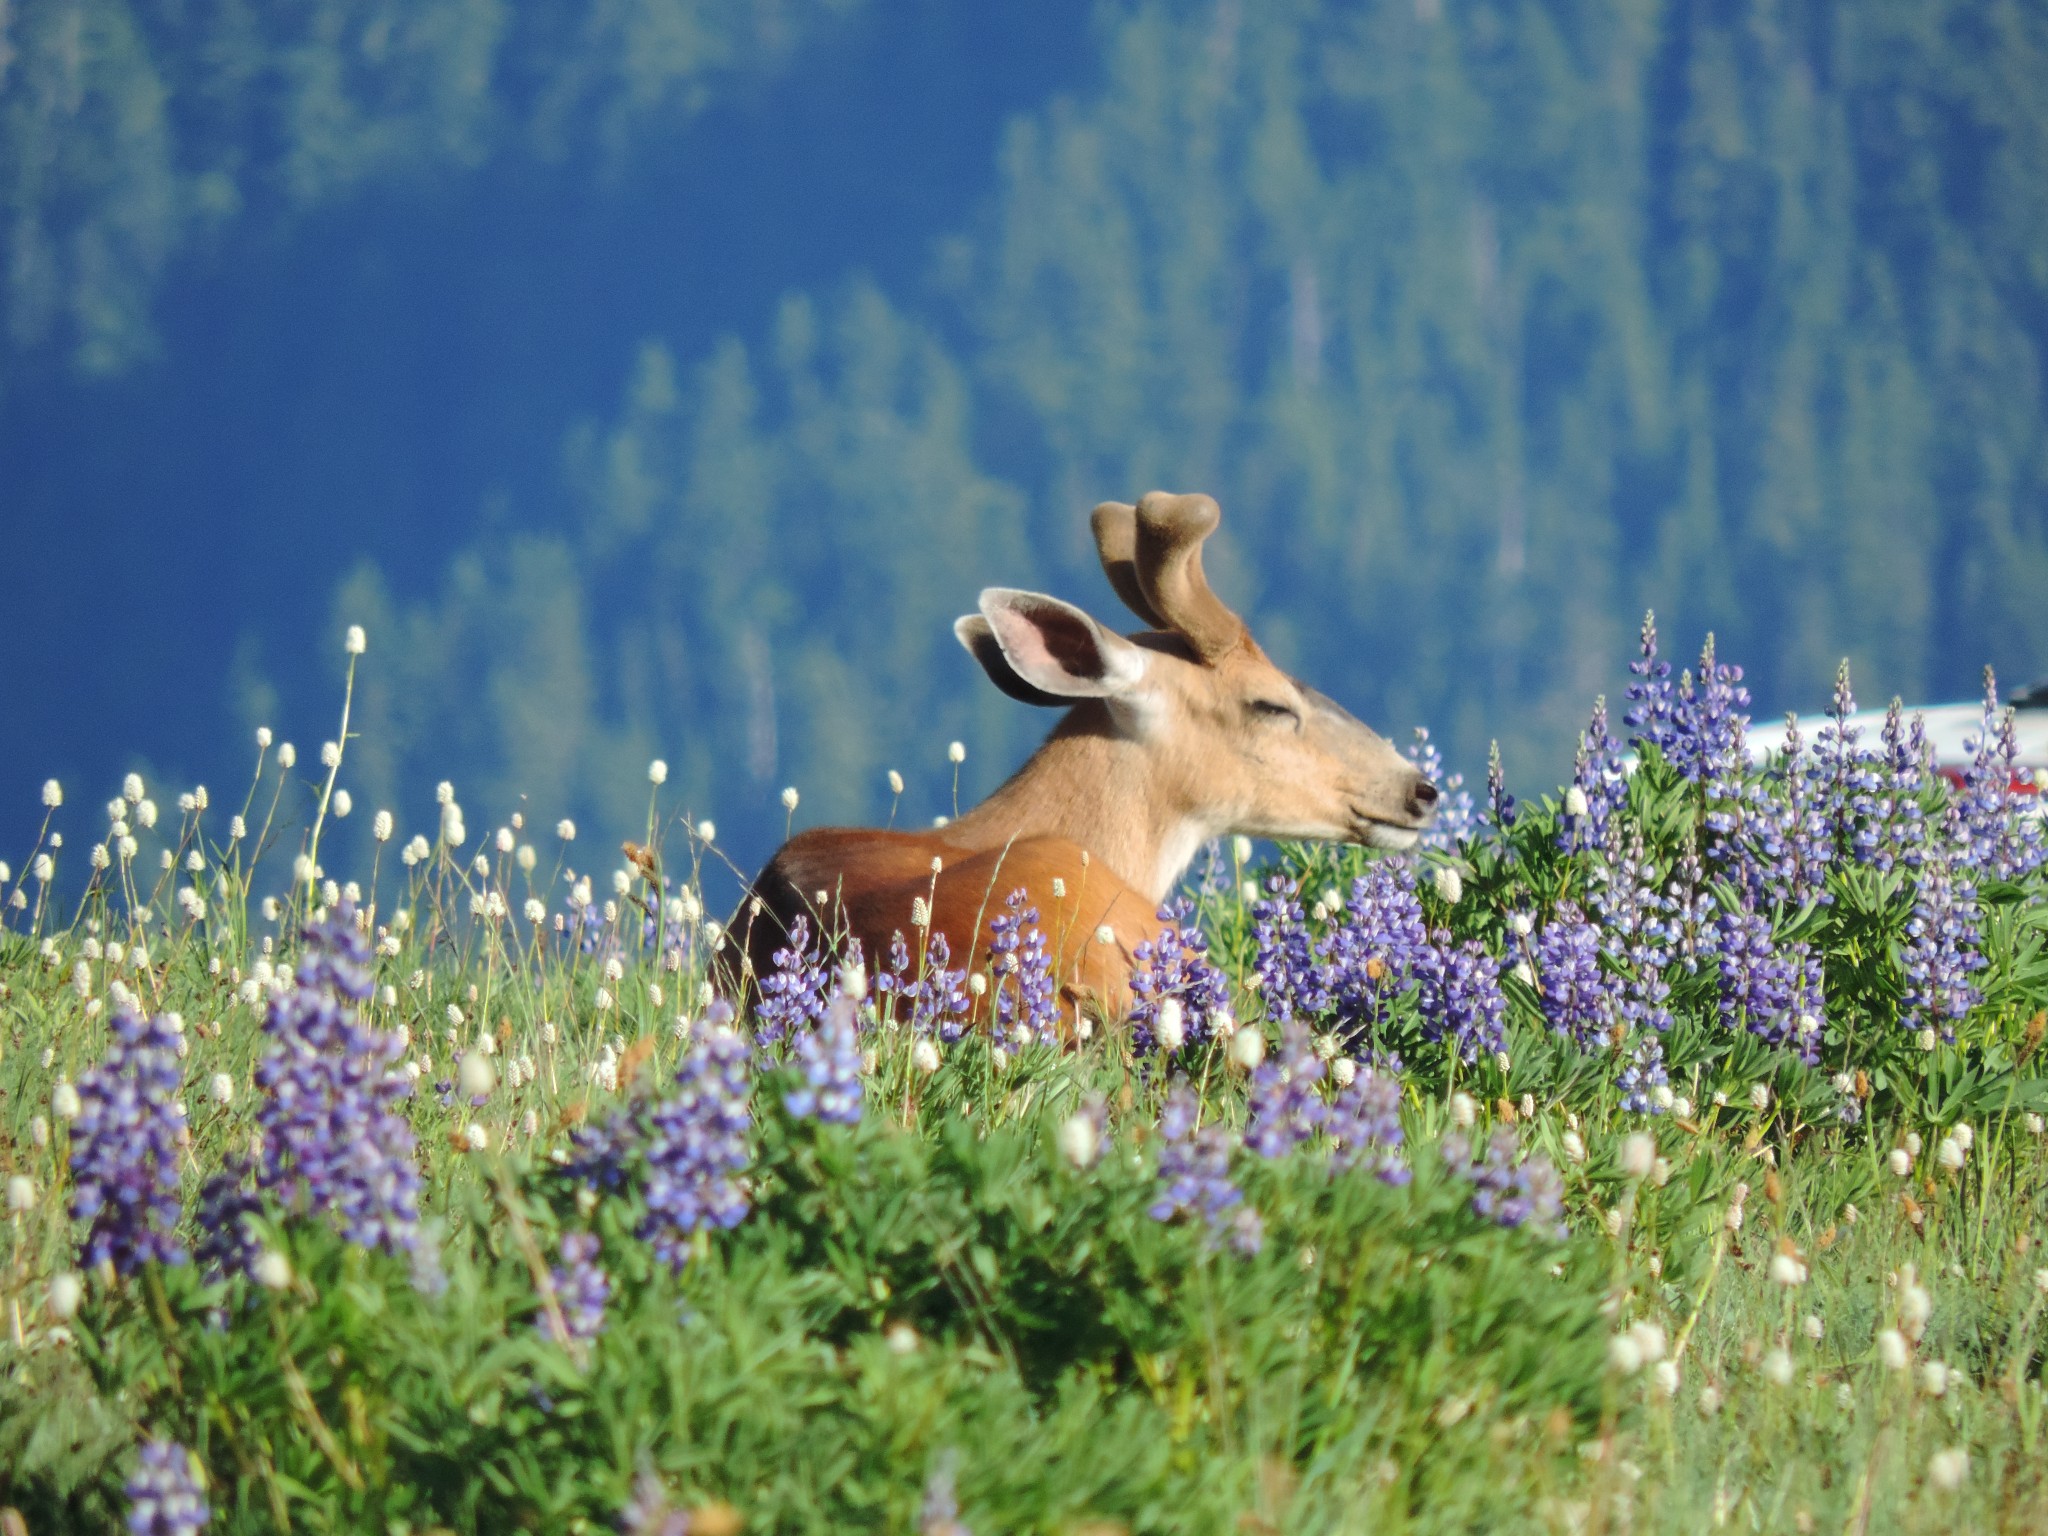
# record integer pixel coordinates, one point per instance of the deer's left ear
(1044, 651)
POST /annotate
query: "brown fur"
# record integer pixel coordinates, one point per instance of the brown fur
(1175, 736)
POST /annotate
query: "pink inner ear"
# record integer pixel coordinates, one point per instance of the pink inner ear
(1047, 644)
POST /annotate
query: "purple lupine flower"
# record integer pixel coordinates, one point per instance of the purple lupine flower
(1460, 996)
(1688, 905)
(1997, 835)
(1942, 950)
(1454, 813)
(829, 1058)
(938, 998)
(1194, 1165)
(1774, 994)
(1653, 702)
(1371, 955)
(1601, 780)
(1027, 993)
(793, 993)
(1509, 1190)
(334, 1139)
(581, 1290)
(600, 1156)
(124, 1148)
(1707, 723)
(1176, 965)
(1896, 831)
(1365, 1125)
(1797, 843)
(1635, 935)
(1289, 973)
(1246, 1230)
(1500, 805)
(227, 1202)
(1574, 993)
(1847, 771)
(939, 1515)
(164, 1496)
(1642, 1074)
(697, 1147)
(1285, 1107)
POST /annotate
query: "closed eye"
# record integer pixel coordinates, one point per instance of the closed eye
(1274, 709)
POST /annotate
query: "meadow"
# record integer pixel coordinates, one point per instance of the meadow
(1665, 1155)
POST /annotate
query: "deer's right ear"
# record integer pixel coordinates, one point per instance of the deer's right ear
(973, 631)
(1044, 651)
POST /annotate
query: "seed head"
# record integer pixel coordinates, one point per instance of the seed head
(1891, 1349)
(355, 642)
(380, 826)
(895, 782)
(21, 1193)
(342, 803)
(1247, 1048)
(221, 1088)
(707, 831)
(1624, 1354)
(1169, 1028)
(1638, 1155)
(956, 753)
(287, 754)
(67, 1290)
(1947, 1470)
(925, 1057)
(53, 793)
(1464, 1110)
(1777, 1367)
(1450, 885)
(657, 772)
(1079, 1139)
(273, 1271)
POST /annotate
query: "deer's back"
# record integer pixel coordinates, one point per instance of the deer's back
(849, 883)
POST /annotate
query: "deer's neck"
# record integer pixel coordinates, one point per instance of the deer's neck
(1094, 785)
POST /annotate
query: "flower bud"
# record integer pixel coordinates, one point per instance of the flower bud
(67, 1290)
(1169, 1028)
(1079, 1140)
(273, 1271)
(1638, 1155)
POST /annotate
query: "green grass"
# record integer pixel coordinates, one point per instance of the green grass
(939, 1292)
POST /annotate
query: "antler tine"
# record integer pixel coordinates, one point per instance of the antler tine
(1169, 566)
(1116, 541)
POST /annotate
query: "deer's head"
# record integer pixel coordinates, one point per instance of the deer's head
(1228, 742)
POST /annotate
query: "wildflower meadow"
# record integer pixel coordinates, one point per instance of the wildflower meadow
(1665, 1154)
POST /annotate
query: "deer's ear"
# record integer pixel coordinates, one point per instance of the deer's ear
(973, 631)
(1050, 652)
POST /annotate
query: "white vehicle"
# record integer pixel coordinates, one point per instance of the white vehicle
(1952, 731)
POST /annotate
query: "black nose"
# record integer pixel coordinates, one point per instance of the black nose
(1424, 797)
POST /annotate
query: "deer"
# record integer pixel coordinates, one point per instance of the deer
(1174, 735)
